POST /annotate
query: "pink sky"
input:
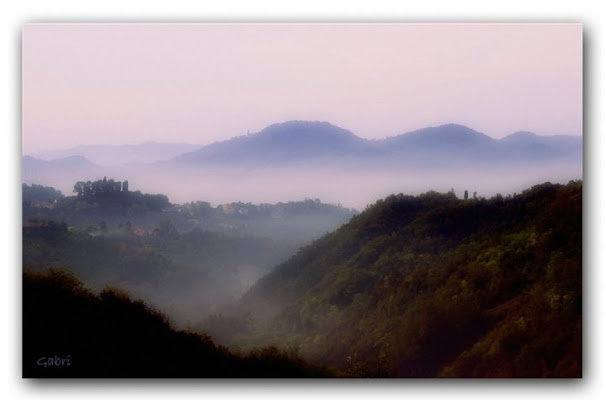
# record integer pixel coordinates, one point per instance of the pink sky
(199, 83)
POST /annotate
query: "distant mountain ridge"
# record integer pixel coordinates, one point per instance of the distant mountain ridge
(35, 166)
(115, 155)
(68, 169)
(452, 135)
(302, 141)
(280, 142)
(527, 143)
(450, 143)
(299, 159)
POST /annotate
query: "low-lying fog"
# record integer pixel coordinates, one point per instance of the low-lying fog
(352, 187)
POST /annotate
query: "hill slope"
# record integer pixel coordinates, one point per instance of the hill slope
(70, 332)
(523, 145)
(282, 142)
(436, 286)
(33, 166)
(69, 169)
(116, 155)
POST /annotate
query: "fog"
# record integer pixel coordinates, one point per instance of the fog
(353, 187)
(206, 287)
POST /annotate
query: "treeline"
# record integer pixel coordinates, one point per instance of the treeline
(431, 285)
(37, 194)
(109, 205)
(70, 332)
(114, 195)
(102, 202)
(253, 211)
(100, 186)
(300, 221)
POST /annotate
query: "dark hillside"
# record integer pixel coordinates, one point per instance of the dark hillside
(436, 286)
(70, 332)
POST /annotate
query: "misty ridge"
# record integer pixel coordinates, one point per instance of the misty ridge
(302, 159)
(436, 253)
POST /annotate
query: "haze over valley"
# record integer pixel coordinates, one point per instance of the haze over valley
(414, 286)
(295, 160)
(302, 200)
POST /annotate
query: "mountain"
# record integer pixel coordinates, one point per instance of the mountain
(292, 142)
(61, 173)
(442, 146)
(288, 141)
(523, 144)
(444, 138)
(431, 285)
(303, 159)
(116, 155)
(435, 147)
(67, 162)
(34, 167)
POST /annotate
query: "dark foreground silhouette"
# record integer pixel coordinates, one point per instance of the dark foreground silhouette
(70, 332)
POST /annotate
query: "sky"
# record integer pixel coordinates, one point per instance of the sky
(113, 83)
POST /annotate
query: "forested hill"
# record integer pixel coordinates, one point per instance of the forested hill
(110, 204)
(434, 285)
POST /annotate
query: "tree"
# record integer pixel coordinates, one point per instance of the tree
(88, 188)
(79, 188)
(166, 229)
(466, 195)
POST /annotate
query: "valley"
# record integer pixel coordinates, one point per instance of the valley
(394, 273)
(414, 286)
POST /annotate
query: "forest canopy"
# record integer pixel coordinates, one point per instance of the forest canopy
(432, 285)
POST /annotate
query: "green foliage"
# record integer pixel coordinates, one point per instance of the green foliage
(435, 286)
(39, 194)
(90, 208)
(112, 202)
(99, 187)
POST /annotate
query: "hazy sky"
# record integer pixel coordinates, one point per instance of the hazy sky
(199, 83)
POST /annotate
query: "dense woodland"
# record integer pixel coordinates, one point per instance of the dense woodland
(414, 286)
(108, 204)
(435, 286)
